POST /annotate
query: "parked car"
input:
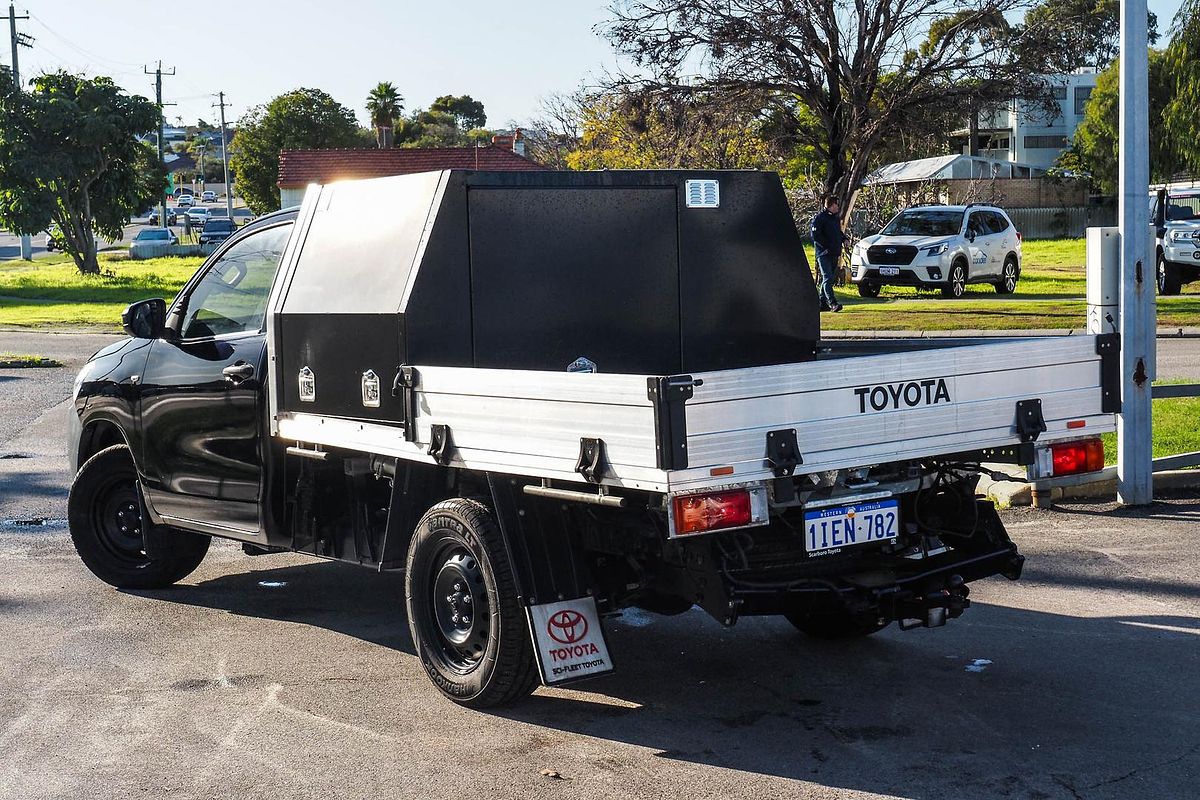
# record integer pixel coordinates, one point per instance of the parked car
(53, 238)
(209, 196)
(198, 215)
(185, 200)
(217, 229)
(1176, 215)
(942, 247)
(172, 214)
(150, 241)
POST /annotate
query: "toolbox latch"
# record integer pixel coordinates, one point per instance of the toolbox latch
(1030, 423)
(405, 387)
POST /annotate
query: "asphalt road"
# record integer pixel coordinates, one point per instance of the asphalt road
(279, 676)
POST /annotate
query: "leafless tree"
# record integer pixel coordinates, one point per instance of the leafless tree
(843, 74)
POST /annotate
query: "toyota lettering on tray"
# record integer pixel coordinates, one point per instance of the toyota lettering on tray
(569, 640)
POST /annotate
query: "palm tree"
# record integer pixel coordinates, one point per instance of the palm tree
(384, 104)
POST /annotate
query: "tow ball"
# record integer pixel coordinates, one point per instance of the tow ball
(936, 607)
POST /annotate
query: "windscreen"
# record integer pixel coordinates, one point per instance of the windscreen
(925, 222)
(1183, 208)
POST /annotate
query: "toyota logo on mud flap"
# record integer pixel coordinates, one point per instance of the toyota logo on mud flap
(567, 626)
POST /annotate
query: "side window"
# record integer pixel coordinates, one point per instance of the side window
(976, 224)
(232, 295)
(997, 222)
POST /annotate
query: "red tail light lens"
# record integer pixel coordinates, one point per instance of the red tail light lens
(695, 513)
(1072, 458)
(1020, 238)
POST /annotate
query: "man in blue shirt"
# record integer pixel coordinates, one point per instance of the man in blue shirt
(827, 239)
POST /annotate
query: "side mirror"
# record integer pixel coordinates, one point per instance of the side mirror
(1160, 215)
(970, 236)
(145, 319)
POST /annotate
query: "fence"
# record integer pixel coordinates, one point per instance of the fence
(1058, 223)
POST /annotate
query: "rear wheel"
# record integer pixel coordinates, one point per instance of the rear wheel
(868, 289)
(1007, 284)
(104, 512)
(956, 283)
(468, 628)
(1169, 279)
(835, 625)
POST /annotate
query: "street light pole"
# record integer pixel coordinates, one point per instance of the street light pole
(1135, 466)
(19, 40)
(225, 159)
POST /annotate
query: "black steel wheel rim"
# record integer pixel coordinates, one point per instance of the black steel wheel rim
(116, 518)
(461, 614)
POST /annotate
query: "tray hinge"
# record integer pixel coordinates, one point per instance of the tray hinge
(439, 443)
(1030, 423)
(590, 463)
(783, 455)
(405, 387)
(1108, 347)
(668, 394)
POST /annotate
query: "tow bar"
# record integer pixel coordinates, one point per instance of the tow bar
(933, 609)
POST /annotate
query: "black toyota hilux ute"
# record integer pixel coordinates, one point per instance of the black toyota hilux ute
(547, 397)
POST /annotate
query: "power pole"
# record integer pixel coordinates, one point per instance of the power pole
(225, 157)
(19, 40)
(158, 76)
(1135, 464)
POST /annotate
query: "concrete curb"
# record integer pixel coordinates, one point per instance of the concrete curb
(1162, 333)
(1006, 494)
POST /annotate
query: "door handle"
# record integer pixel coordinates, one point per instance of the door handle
(238, 372)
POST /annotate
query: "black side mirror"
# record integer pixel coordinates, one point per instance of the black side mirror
(1160, 211)
(970, 236)
(145, 319)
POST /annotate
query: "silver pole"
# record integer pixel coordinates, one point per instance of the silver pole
(1135, 470)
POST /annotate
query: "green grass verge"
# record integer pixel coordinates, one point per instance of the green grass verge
(1175, 430)
(23, 361)
(50, 292)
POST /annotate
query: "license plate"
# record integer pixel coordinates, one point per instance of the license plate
(890, 271)
(830, 529)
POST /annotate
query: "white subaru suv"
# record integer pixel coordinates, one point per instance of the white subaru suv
(942, 247)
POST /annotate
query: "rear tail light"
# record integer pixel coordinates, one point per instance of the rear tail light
(1020, 238)
(1072, 458)
(696, 513)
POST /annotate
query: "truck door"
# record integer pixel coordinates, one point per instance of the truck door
(202, 403)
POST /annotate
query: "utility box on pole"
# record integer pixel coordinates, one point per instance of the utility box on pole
(1103, 280)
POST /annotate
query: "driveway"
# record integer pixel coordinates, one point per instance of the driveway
(280, 676)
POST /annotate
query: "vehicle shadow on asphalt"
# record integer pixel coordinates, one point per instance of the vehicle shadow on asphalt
(1005, 701)
(350, 600)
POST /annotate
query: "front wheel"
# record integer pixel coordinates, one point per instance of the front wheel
(1008, 278)
(467, 626)
(956, 285)
(105, 516)
(1169, 279)
(868, 289)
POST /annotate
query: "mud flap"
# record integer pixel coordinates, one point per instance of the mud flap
(568, 640)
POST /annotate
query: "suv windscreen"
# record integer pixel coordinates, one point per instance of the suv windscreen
(925, 222)
(156, 234)
(218, 225)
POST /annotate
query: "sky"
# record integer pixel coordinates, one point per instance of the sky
(509, 54)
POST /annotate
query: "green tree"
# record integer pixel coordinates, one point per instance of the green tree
(1182, 59)
(384, 105)
(69, 154)
(301, 119)
(1070, 34)
(468, 112)
(1095, 150)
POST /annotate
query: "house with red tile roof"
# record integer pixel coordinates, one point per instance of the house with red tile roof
(299, 168)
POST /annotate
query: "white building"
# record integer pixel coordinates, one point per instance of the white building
(1025, 133)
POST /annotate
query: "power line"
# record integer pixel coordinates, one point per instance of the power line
(158, 76)
(82, 51)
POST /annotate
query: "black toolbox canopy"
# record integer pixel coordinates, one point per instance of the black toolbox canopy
(645, 272)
